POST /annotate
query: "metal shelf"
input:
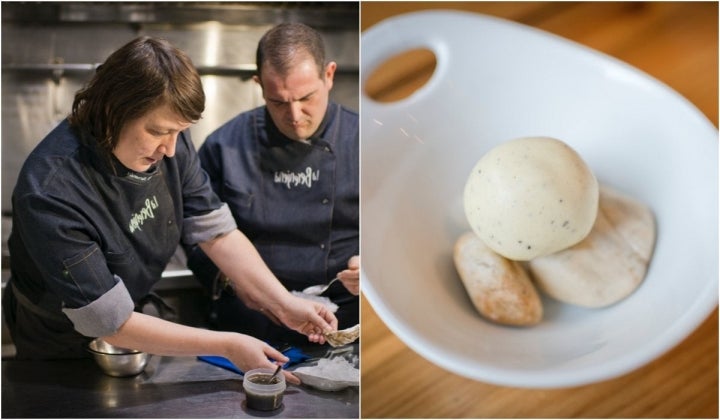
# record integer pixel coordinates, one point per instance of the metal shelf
(222, 70)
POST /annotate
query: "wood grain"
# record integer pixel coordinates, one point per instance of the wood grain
(675, 42)
(682, 383)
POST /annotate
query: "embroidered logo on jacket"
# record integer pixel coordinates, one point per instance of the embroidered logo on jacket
(295, 179)
(138, 219)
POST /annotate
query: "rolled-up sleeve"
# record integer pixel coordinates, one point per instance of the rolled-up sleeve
(105, 315)
(208, 226)
(75, 270)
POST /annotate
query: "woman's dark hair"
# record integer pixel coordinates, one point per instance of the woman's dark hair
(142, 75)
(284, 43)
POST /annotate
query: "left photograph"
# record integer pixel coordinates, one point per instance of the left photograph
(180, 209)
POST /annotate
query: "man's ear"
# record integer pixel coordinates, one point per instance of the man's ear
(330, 73)
(256, 78)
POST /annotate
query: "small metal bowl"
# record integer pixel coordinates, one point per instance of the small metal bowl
(117, 361)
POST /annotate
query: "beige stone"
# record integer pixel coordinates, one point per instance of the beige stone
(500, 289)
(609, 264)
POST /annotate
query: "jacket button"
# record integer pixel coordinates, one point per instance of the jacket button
(325, 201)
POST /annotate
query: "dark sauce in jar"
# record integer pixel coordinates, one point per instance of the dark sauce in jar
(263, 401)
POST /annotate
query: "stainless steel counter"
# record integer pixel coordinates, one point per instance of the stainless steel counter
(170, 387)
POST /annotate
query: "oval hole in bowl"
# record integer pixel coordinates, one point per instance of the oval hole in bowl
(401, 75)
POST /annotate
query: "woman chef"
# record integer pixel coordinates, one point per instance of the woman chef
(100, 207)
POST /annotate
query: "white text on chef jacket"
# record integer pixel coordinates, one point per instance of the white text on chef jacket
(138, 219)
(291, 179)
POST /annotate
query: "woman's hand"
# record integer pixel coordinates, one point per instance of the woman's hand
(350, 278)
(158, 336)
(307, 317)
(249, 353)
(259, 289)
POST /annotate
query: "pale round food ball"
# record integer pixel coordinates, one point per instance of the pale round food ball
(531, 197)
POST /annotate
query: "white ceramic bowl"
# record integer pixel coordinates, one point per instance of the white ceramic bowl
(494, 81)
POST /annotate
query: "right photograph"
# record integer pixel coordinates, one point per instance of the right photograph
(539, 209)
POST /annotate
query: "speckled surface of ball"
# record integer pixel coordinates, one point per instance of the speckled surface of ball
(531, 197)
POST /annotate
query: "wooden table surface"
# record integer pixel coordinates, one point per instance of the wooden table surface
(676, 43)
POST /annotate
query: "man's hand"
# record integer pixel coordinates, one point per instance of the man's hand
(350, 278)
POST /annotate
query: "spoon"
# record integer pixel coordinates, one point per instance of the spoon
(318, 289)
(275, 374)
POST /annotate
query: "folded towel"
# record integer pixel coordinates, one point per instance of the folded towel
(220, 361)
(294, 354)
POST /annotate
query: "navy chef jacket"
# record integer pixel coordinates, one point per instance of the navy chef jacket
(90, 237)
(297, 202)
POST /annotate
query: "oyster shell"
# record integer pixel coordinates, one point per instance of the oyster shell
(342, 337)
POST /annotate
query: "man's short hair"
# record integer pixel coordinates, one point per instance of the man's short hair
(283, 45)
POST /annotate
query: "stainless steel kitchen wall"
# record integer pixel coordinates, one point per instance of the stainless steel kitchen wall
(50, 49)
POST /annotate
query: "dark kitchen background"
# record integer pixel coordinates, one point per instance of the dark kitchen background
(50, 49)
